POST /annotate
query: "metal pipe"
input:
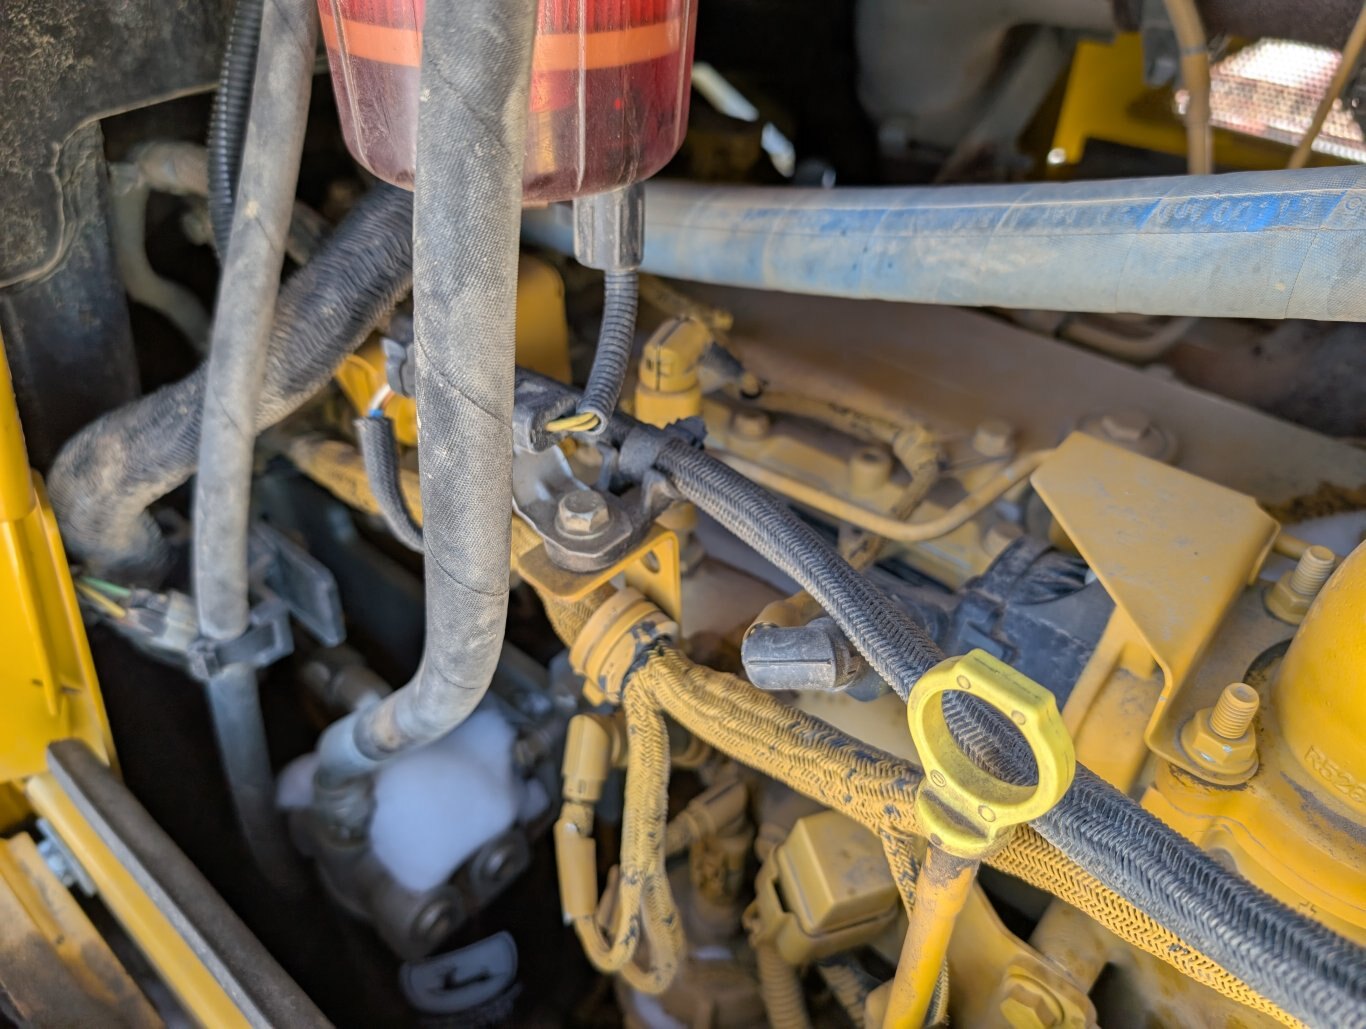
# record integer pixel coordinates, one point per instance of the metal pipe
(941, 890)
(1282, 244)
(1347, 67)
(884, 525)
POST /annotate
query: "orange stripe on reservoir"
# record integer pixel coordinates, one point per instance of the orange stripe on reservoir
(555, 52)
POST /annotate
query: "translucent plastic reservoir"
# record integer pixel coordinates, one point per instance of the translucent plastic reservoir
(609, 89)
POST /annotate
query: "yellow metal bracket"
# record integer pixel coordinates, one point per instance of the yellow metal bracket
(47, 678)
(651, 566)
(1172, 550)
(57, 969)
(967, 811)
(173, 958)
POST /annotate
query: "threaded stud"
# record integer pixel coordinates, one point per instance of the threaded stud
(1314, 568)
(1234, 712)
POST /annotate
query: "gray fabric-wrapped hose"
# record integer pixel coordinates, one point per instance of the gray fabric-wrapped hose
(113, 470)
(244, 312)
(476, 61)
(238, 344)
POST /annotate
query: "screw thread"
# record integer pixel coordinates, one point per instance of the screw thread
(1233, 713)
(1313, 570)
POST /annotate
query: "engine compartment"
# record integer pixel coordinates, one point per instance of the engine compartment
(933, 586)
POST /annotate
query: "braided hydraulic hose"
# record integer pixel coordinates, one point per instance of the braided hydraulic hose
(878, 791)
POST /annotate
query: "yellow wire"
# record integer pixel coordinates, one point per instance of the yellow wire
(585, 422)
(97, 598)
(1351, 51)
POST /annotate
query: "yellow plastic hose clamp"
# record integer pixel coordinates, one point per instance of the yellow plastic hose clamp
(613, 639)
(963, 809)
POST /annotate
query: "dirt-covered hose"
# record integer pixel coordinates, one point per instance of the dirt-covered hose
(476, 60)
(240, 732)
(228, 118)
(238, 344)
(379, 451)
(244, 312)
(616, 338)
(109, 473)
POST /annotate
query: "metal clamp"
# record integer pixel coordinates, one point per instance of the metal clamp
(266, 641)
(286, 581)
(965, 810)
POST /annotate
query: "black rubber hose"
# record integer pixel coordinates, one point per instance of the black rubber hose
(616, 340)
(113, 470)
(1299, 964)
(379, 451)
(471, 138)
(228, 118)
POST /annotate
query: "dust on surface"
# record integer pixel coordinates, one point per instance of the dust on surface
(1328, 499)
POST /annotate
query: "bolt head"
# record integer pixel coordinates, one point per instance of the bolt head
(751, 424)
(433, 922)
(1126, 426)
(1027, 1004)
(993, 438)
(583, 512)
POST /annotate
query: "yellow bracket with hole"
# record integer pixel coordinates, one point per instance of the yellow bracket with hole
(651, 566)
(1173, 551)
(962, 809)
(47, 678)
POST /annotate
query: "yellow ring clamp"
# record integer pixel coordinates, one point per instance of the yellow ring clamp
(966, 812)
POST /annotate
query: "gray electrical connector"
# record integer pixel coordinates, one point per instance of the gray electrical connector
(609, 229)
(815, 656)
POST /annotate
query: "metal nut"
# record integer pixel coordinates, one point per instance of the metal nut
(1294, 593)
(750, 424)
(994, 438)
(582, 513)
(1028, 1004)
(1126, 426)
(1220, 759)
